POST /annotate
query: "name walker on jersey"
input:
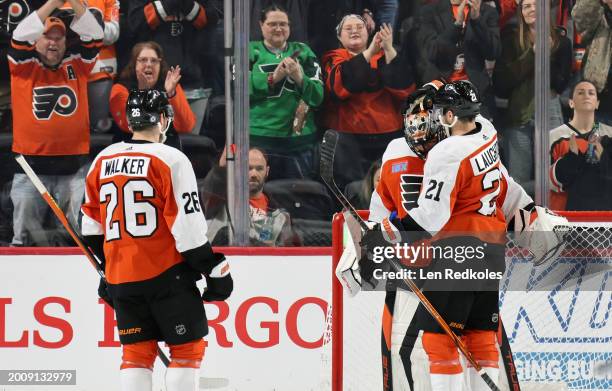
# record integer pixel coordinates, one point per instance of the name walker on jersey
(136, 166)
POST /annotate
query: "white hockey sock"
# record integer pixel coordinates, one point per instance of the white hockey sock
(441, 382)
(136, 379)
(476, 382)
(182, 379)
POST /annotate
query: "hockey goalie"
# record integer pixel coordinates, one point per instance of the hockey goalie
(535, 228)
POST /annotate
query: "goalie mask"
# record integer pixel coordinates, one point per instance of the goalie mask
(423, 131)
(144, 109)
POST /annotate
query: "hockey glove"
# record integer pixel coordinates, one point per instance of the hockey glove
(374, 243)
(425, 95)
(103, 293)
(219, 283)
(541, 231)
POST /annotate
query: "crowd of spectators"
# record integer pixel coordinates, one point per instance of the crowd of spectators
(313, 66)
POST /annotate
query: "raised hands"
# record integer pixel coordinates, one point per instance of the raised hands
(474, 11)
(384, 40)
(172, 78)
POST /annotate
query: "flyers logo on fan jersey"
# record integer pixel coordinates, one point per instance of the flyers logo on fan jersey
(47, 100)
(17, 10)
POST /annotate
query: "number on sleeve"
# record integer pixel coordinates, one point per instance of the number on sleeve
(192, 202)
(432, 186)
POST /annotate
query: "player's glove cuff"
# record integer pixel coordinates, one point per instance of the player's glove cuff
(219, 282)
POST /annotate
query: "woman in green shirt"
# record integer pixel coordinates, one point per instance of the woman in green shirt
(284, 86)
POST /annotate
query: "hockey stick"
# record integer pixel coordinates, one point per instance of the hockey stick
(205, 382)
(328, 149)
(93, 260)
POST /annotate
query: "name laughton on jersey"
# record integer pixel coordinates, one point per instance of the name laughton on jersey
(125, 165)
(487, 158)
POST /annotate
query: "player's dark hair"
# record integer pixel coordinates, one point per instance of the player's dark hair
(272, 7)
(467, 118)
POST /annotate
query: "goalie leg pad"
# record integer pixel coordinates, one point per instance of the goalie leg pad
(347, 271)
(409, 361)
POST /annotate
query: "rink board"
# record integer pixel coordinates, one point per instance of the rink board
(268, 336)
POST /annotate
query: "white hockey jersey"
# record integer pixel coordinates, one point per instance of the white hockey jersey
(402, 175)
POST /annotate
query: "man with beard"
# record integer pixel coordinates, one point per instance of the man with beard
(269, 225)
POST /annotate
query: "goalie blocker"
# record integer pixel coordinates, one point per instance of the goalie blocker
(541, 231)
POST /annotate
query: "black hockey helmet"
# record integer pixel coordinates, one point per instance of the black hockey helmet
(461, 97)
(144, 108)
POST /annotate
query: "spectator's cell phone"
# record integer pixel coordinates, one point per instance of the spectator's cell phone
(295, 54)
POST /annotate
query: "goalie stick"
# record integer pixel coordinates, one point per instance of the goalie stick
(91, 257)
(328, 149)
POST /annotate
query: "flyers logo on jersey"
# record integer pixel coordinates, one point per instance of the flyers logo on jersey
(411, 187)
(47, 100)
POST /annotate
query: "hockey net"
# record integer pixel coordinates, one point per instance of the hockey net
(557, 316)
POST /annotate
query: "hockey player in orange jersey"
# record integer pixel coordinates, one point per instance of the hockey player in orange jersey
(451, 200)
(398, 191)
(142, 215)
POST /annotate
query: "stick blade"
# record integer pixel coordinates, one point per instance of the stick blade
(328, 150)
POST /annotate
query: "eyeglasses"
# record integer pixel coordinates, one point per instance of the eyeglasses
(274, 25)
(358, 27)
(148, 60)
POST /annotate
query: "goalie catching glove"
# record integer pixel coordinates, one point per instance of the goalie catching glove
(542, 232)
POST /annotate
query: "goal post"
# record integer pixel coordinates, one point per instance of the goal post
(558, 321)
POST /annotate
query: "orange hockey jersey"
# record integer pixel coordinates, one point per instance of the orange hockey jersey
(143, 198)
(464, 188)
(50, 106)
(402, 175)
(589, 182)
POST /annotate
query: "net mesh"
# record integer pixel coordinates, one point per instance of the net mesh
(557, 317)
